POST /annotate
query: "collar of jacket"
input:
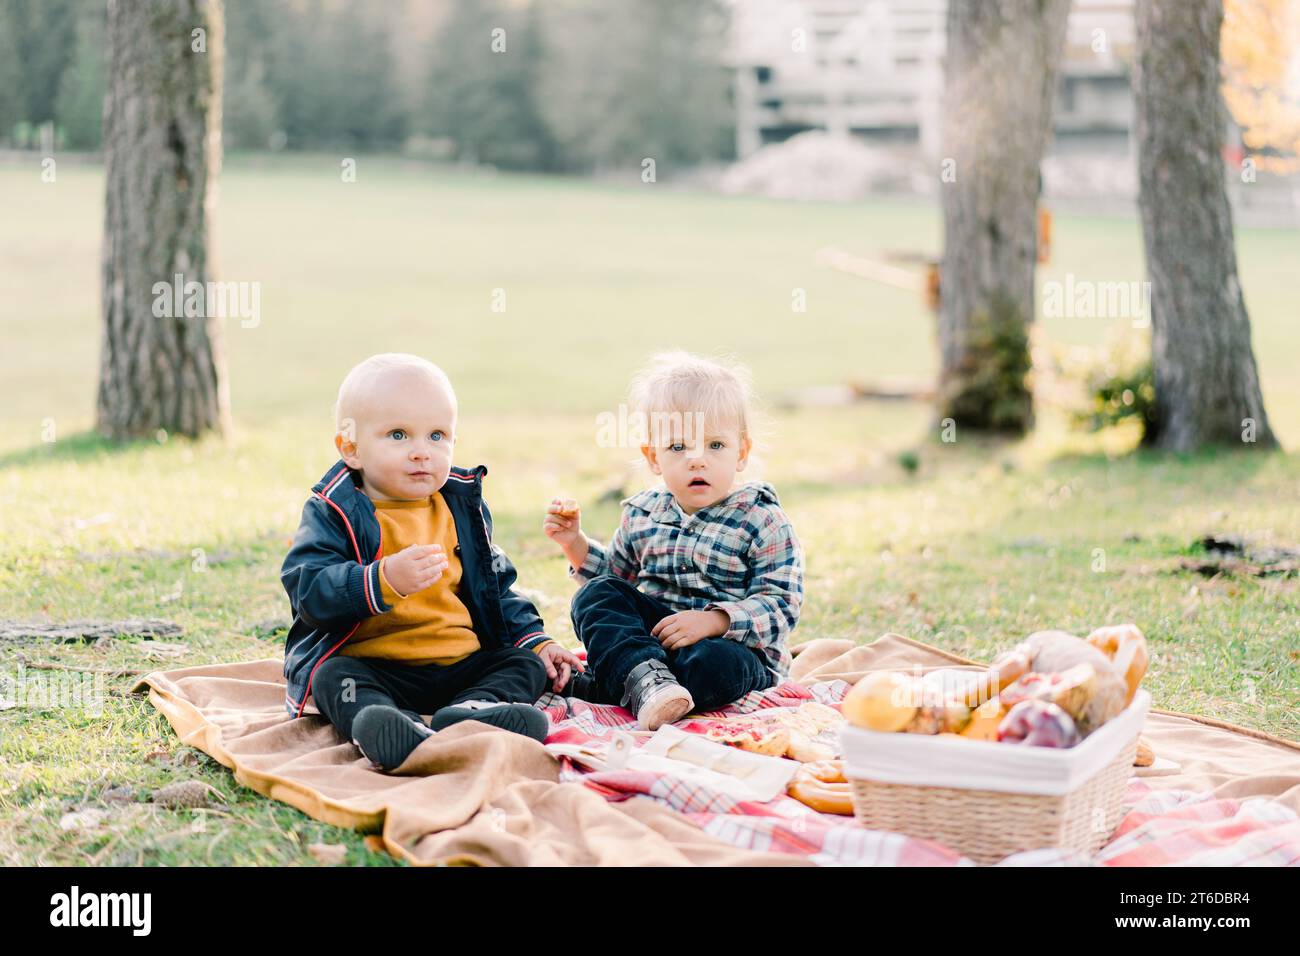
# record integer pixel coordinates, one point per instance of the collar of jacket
(662, 507)
(337, 485)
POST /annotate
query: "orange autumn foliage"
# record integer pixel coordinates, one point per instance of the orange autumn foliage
(1260, 47)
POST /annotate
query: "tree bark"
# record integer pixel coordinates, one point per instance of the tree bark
(162, 151)
(1206, 384)
(1000, 86)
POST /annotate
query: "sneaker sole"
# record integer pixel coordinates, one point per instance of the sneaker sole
(386, 736)
(672, 707)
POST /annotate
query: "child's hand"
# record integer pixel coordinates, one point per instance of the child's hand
(563, 523)
(690, 627)
(560, 663)
(415, 568)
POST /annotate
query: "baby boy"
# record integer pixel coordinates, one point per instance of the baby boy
(402, 605)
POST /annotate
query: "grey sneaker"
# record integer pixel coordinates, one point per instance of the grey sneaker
(653, 695)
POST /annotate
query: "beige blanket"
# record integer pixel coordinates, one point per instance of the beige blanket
(473, 794)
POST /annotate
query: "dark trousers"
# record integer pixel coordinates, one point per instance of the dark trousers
(343, 685)
(613, 620)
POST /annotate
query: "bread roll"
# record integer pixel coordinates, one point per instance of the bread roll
(1126, 646)
(972, 687)
(807, 749)
(1051, 652)
(823, 787)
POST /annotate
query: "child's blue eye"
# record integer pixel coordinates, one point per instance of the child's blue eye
(716, 445)
(677, 446)
(400, 433)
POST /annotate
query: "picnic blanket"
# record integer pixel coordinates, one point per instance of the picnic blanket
(473, 794)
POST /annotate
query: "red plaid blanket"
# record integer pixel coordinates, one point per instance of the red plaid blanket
(1160, 828)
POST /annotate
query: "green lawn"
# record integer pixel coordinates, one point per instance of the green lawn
(984, 543)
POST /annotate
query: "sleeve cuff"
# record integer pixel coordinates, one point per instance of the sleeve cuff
(387, 590)
(365, 591)
(736, 614)
(591, 564)
(533, 642)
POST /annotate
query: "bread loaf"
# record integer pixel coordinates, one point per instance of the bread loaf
(1126, 647)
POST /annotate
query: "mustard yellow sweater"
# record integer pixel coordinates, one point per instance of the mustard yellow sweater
(432, 626)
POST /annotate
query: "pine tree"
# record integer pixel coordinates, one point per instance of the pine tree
(482, 86)
(13, 104)
(79, 107)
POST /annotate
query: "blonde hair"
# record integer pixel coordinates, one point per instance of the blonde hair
(681, 383)
(365, 373)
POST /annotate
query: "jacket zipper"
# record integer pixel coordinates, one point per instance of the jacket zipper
(357, 549)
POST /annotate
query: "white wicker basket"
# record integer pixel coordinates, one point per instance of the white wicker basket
(988, 800)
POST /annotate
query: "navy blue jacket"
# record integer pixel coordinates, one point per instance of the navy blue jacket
(331, 574)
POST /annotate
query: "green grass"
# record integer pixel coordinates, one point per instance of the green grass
(984, 543)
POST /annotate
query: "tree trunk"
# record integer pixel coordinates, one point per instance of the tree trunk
(1000, 86)
(1206, 385)
(161, 371)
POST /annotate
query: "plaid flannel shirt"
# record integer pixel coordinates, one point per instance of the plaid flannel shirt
(739, 555)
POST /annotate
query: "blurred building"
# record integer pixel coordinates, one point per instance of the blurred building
(874, 69)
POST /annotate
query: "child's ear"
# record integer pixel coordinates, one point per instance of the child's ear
(745, 445)
(347, 450)
(651, 458)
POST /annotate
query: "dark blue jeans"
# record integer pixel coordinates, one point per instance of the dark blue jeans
(613, 620)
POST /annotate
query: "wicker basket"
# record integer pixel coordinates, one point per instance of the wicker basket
(989, 825)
